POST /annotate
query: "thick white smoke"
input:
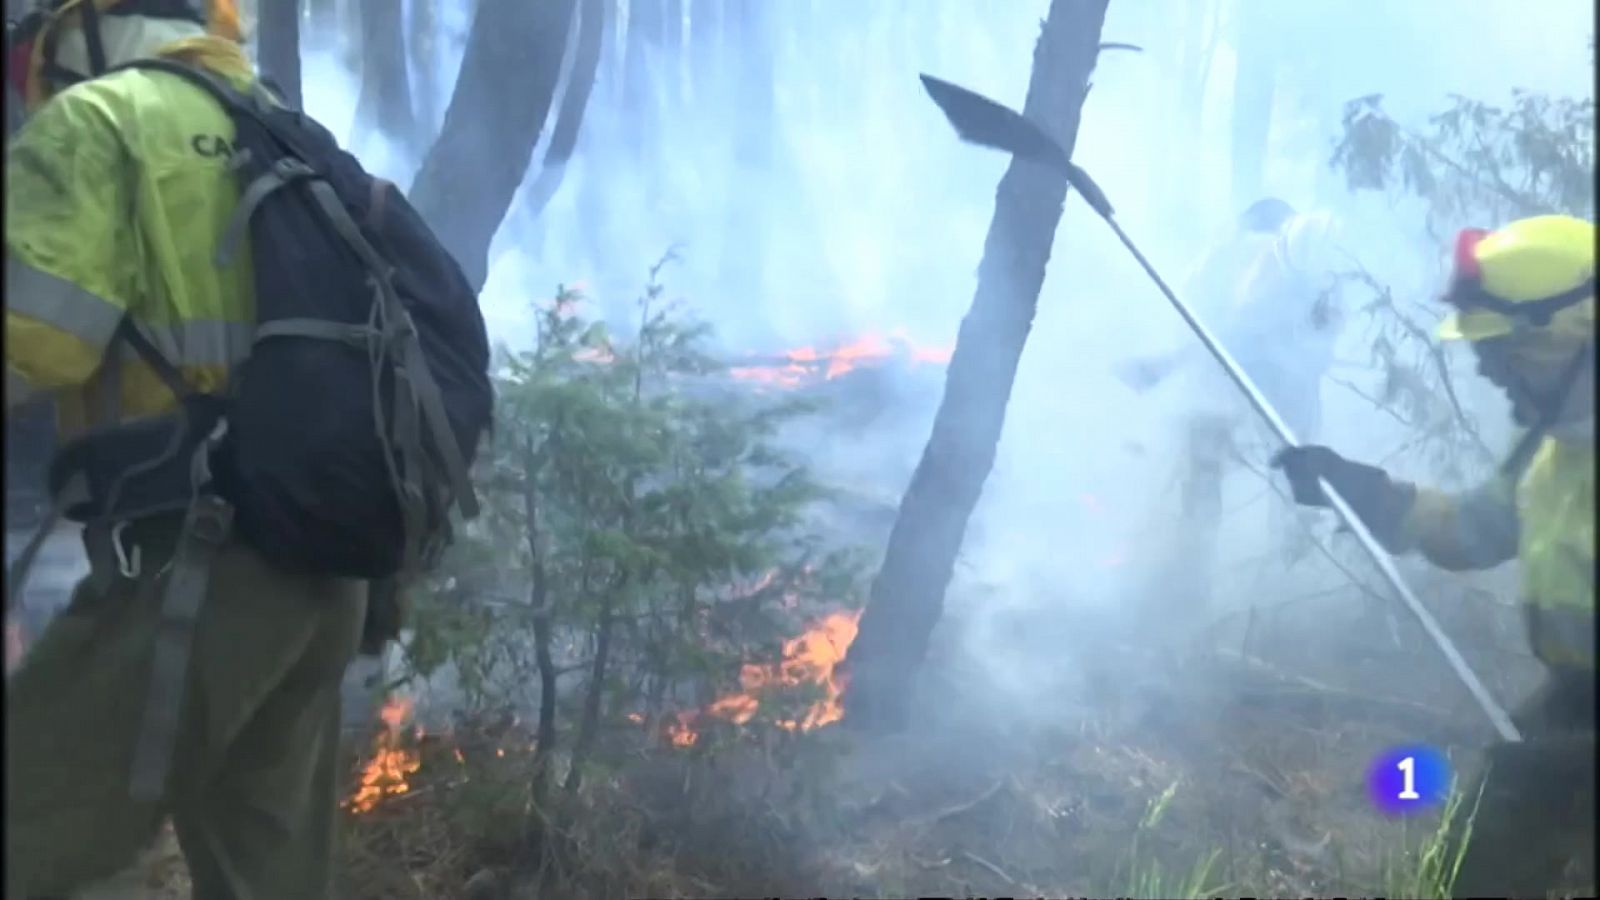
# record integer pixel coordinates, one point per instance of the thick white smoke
(872, 217)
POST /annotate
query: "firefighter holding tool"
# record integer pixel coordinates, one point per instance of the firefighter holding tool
(1523, 296)
(1525, 299)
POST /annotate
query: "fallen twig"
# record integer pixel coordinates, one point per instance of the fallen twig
(960, 808)
(1377, 707)
(996, 870)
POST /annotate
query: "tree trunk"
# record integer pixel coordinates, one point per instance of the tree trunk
(589, 724)
(423, 28)
(651, 48)
(745, 238)
(539, 596)
(1254, 88)
(655, 30)
(704, 47)
(347, 23)
(569, 118)
(280, 47)
(385, 102)
(503, 95)
(613, 52)
(323, 12)
(598, 140)
(1178, 172)
(908, 594)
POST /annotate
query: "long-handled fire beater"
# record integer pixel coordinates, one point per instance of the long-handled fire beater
(982, 121)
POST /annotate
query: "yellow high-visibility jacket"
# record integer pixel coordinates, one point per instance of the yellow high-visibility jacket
(1545, 520)
(118, 192)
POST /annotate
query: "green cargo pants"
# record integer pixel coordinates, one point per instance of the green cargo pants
(252, 787)
(1535, 821)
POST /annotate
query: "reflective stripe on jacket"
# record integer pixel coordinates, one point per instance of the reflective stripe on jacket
(117, 193)
(1546, 521)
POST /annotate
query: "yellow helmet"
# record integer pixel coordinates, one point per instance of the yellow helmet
(1526, 274)
(34, 41)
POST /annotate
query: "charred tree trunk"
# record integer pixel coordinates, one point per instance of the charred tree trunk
(280, 47)
(385, 102)
(908, 594)
(569, 117)
(1254, 89)
(472, 172)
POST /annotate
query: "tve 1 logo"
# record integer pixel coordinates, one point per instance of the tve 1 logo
(1409, 779)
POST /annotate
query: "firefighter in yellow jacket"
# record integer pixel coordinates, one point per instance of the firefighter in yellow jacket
(1524, 297)
(117, 192)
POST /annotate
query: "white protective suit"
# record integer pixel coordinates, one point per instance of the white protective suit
(1274, 302)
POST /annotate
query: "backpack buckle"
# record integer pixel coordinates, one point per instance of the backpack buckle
(128, 564)
(209, 521)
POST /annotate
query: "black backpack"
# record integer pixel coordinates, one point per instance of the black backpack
(350, 427)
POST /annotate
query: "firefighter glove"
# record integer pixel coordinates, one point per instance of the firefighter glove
(1372, 494)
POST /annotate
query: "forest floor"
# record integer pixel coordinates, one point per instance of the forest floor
(1221, 772)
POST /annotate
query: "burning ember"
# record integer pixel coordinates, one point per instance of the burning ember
(391, 765)
(680, 730)
(795, 367)
(811, 658)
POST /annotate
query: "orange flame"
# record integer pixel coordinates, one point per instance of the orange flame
(789, 376)
(387, 773)
(680, 730)
(811, 658)
(803, 364)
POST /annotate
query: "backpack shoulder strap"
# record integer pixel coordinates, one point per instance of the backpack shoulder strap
(255, 104)
(225, 93)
